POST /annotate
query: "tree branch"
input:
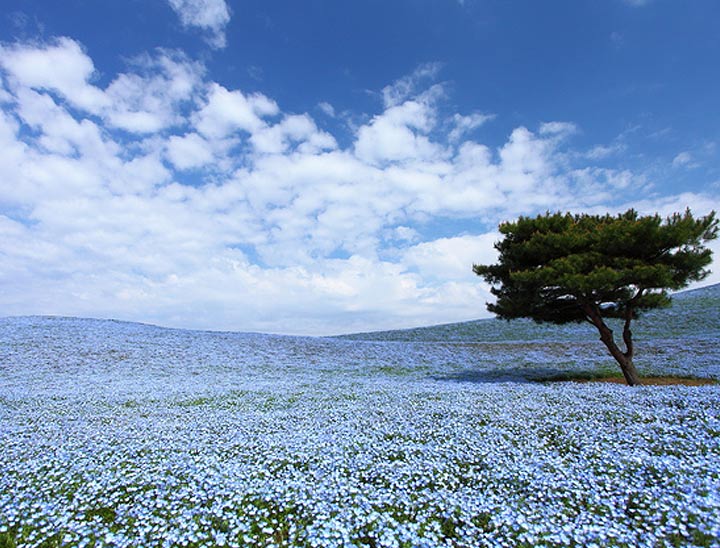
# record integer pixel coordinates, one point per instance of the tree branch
(592, 314)
(627, 334)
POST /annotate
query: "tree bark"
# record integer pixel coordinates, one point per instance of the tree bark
(624, 359)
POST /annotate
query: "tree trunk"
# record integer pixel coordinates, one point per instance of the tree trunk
(624, 359)
(630, 373)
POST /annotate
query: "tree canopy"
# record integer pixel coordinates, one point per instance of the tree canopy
(564, 268)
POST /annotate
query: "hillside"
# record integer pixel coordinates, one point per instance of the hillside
(124, 434)
(694, 313)
(110, 356)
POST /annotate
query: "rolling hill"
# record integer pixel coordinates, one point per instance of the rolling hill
(694, 313)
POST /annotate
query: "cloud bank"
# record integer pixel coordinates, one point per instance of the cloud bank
(166, 197)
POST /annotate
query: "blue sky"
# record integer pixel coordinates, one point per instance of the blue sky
(323, 167)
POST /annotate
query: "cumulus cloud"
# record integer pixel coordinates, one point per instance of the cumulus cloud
(60, 66)
(147, 99)
(189, 151)
(447, 258)
(293, 129)
(143, 100)
(399, 133)
(210, 16)
(224, 211)
(227, 111)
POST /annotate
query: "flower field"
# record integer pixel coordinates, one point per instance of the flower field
(117, 434)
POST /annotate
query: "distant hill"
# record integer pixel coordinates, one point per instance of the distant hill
(47, 356)
(693, 313)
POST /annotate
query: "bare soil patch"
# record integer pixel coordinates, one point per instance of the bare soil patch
(655, 381)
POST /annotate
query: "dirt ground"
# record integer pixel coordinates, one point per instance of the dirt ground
(659, 381)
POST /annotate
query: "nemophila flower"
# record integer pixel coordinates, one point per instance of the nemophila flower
(260, 447)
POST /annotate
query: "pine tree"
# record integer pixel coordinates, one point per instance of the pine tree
(563, 268)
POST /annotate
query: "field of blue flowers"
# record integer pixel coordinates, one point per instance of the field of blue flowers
(118, 434)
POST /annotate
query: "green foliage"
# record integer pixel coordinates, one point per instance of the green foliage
(554, 266)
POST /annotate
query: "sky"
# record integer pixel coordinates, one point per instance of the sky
(322, 166)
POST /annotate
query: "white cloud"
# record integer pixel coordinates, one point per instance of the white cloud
(149, 99)
(600, 152)
(327, 109)
(684, 160)
(228, 111)
(409, 86)
(189, 151)
(452, 258)
(525, 159)
(61, 66)
(211, 16)
(60, 132)
(145, 100)
(617, 39)
(223, 211)
(700, 204)
(561, 129)
(609, 180)
(293, 129)
(5, 96)
(141, 175)
(405, 234)
(464, 124)
(399, 134)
